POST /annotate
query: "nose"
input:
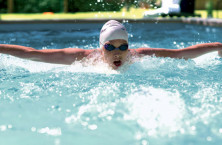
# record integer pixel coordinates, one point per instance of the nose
(117, 56)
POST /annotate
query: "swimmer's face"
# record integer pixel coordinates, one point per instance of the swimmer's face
(115, 58)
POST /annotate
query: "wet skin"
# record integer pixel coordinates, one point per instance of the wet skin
(115, 58)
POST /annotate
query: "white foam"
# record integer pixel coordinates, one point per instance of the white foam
(207, 60)
(90, 66)
(11, 63)
(52, 131)
(156, 109)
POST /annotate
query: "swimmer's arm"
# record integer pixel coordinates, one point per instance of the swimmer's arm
(184, 53)
(58, 56)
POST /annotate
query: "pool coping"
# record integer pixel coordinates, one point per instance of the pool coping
(191, 20)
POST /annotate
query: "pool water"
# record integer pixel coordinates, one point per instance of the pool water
(155, 101)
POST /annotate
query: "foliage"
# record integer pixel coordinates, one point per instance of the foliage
(95, 5)
(35, 6)
(3, 6)
(39, 6)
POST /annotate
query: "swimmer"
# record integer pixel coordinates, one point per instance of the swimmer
(114, 49)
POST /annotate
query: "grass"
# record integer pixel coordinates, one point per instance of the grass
(216, 14)
(132, 14)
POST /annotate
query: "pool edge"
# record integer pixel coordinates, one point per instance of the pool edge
(199, 21)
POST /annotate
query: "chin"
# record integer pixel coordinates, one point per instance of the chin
(115, 68)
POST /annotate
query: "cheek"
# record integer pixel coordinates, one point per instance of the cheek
(124, 55)
(107, 55)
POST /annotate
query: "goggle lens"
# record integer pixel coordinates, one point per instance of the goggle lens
(110, 47)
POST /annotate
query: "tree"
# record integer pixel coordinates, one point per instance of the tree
(10, 5)
(66, 6)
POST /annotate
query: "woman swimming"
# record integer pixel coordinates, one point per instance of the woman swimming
(113, 49)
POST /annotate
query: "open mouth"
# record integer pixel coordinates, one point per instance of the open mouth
(117, 63)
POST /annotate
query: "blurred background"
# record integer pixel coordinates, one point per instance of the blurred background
(81, 9)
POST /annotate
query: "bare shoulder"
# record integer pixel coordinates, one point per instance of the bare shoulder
(78, 53)
(62, 56)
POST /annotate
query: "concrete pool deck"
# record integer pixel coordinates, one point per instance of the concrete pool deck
(9, 25)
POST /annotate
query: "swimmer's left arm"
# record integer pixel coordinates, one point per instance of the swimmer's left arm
(184, 53)
(57, 56)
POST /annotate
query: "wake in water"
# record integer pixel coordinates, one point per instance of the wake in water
(151, 101)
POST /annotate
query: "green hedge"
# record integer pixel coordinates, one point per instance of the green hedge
(3, 6)
(39, 6)
(95, 5)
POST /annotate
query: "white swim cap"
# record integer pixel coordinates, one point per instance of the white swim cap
(112, 30)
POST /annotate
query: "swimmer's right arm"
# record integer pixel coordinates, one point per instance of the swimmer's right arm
(184, 53)
(57, 56)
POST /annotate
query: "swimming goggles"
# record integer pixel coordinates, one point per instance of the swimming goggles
(110, 47)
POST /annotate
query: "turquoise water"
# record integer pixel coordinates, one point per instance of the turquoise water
(155, 101)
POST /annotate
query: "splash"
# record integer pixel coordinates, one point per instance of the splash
(157, 109)
(90, 66)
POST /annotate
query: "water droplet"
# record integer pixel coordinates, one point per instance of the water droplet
(33, 129)
(109, 118)
(57, 141)
(3, 128)
(209, 138)
(138, 136)
(92, 127)
(182, 131)
(193, 128)
(9, 126)
(144, 142)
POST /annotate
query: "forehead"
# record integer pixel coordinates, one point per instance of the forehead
(116, 41)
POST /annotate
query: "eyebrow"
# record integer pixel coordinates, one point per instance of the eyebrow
(108, 42)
